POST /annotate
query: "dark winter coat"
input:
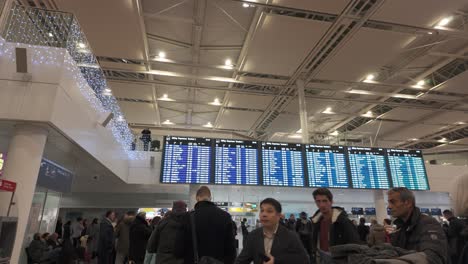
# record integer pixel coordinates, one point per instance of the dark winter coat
(363, 232)
(421, 233)
(122, 233)
(164, 238)
(36, 250)
(106, 241)
(455, 238)
(377, 235)
(214, 234)
(286, 248)
(342, 230)
(140, 232)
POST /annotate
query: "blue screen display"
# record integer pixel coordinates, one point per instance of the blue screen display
(236, 162)
(407, 169)
(369, 211)
(326, 166)
(186, 160)
(282, 164)
(357, 211)
(436, 211)
(368, 168)
(424, 210)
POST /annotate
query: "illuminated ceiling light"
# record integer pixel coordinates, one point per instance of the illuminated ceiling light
(444, 22)
(162, 54)
(421, 83)
(208, 125)
(51, 35)
(368, 114)
(295, 136)
(228, 62)
(167, 122)
(82, 45)
(245, 5)
(430, 32)
(216, 102)
(299, 131)
(369, 78)
(461, 123)
(414, 139)
(124, 60)
(328, 110)
(442, 140)
(165, 97)
(335, 133)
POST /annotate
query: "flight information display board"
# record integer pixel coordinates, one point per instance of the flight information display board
(186, 160)
(326, 166)
(282, 164)
(236, 162)
(368, 168)
(407, 169)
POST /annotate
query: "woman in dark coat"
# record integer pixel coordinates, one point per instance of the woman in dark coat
(139, 235)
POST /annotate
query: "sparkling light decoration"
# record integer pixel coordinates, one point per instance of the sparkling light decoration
(49, 35)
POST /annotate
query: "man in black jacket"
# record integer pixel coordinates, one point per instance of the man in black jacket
(139, 235)
(416, 231)
(106, 239)
(455, 238)
(331, 227)
(272, 243)
(213, 230)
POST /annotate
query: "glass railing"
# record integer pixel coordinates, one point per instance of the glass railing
(56, 29)
(143, 142)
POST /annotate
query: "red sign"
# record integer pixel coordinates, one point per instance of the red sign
(8, 186)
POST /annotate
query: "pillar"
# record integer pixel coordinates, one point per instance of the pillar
(303, 111)
(380, 205)
(193, 188)
(22, 166)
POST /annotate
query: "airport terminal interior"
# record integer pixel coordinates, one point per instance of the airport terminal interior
(131, 105)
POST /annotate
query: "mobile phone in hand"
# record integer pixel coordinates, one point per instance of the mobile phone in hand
(265, 258)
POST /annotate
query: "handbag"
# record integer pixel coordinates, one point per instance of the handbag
(196, 258)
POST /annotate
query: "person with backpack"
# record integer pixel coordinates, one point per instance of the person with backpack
(164, 238)
(304, 230)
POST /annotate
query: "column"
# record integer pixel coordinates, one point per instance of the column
(22, 166)
(380, 205)
(303, 111)
(193, 188)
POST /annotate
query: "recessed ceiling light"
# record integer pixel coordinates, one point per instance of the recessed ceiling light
(328, 110)
(216, 102)
(208, 124)
(368, 114)
(369, 78)
(228, 62)
(245, 5)
(162, 54)
(430, 32)
(414, 139)
(165, 97)
(461, 123)
(167, 122)
(421, 83)
(335, 133)
(442, 140)
(445, 21)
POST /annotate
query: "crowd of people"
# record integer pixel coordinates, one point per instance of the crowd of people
(207, 234)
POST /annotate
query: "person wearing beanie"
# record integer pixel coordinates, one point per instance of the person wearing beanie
(168, 228)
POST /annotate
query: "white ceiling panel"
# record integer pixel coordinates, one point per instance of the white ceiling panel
(406, 114)
(142, 113)
(234, 119)
(415, 131)
(364, 53)
(220, 28)
(326, 6)
(172, 92)
(249, 101)
(218, 57)
(132, 91)
(285, 123)
(405, 12)
(276, 49)
(173, 52)
(449, 118)
(457, 84)
(372, 127)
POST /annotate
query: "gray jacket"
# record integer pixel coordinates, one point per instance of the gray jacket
(423, 234)
(122, 233)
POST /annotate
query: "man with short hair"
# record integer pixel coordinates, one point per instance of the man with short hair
(416, 231)
(331, 227)
(213, 229)
(455, 238)
(106, 239)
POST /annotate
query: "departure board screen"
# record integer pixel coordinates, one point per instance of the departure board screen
(236, 162)
(326, 166)
(186, 160)
(282, 164)
(368, 168)
(407, 169)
